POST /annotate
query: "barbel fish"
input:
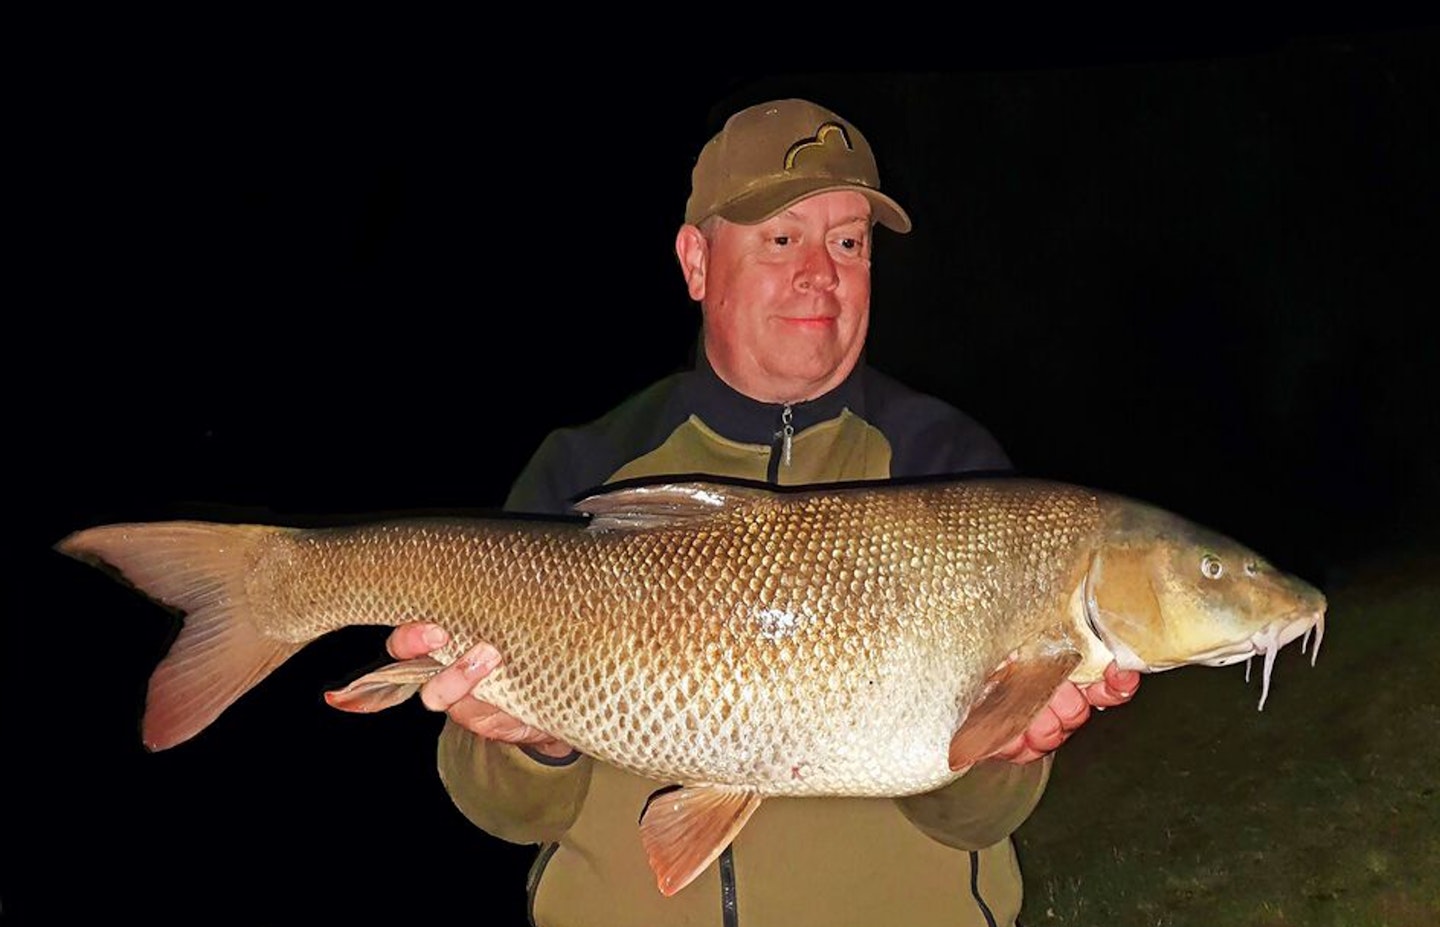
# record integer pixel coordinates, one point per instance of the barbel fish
(737, 641)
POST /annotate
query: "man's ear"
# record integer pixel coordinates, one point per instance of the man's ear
(694, 253)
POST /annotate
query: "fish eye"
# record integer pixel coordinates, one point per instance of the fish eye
(1211, 566)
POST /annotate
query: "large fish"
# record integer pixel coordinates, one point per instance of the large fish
(869, 640)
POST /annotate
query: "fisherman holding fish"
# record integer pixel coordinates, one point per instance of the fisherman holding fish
(693, 655)
(776, 248)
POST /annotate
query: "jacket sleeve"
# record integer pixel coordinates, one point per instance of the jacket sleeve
(507, 791)
(982, 807)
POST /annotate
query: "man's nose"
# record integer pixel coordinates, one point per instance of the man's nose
(817, 269)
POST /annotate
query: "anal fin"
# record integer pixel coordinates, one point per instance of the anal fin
(1014, 694)
(685, 829)
(386, 687)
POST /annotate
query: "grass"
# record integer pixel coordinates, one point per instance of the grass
(1186, 807)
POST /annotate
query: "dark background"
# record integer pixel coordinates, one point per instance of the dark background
(1199, 271)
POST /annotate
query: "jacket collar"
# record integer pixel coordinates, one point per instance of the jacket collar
(740, 418)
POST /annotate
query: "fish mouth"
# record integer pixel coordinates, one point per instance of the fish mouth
(1267, 641)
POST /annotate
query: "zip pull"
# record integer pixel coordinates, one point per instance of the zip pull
(787, 433)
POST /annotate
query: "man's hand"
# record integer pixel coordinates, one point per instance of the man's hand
(449, 689)
(1068, 709)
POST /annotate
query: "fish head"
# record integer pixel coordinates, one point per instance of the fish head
(1163, 592)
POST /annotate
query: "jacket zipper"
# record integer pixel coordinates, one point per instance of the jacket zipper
(780, 450)
(532, 880)
(729, 905)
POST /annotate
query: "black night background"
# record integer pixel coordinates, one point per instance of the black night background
(1198, 273)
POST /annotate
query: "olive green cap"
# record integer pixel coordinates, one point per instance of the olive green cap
(771, 155)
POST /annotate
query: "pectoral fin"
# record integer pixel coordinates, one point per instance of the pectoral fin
(684, 829)
(1014, 693)
(386, 687)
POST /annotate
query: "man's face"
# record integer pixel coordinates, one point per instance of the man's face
(787, 302)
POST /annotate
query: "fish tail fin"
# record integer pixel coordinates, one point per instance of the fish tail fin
(198, 568)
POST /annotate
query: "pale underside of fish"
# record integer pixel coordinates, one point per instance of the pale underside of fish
(743, 643)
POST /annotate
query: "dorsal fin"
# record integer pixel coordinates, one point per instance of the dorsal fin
(658, 505)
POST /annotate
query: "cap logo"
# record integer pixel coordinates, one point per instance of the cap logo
(821, 139)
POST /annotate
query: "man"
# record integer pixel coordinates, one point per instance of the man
(776, 248)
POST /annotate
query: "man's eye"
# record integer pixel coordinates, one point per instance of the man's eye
(850, 244)
(781, 239)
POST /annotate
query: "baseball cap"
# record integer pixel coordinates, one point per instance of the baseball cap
(771, 155)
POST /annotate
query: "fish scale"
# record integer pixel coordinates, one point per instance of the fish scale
(830, 633)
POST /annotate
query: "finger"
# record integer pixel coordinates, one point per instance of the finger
(1116, 688)
(486, 720)
(554, 747)
(470, 713)
(1018, 751)
(415, 639)
(1102, 696)
(1048, 743)
(1122, 682)
(1121, 678)
(501, 726)
(1070, 707)
(1045, 732)
(1043, 724)
(455, 681)
(475, 716)
(1014, 750)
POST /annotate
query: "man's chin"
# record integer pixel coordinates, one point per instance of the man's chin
(795, 381)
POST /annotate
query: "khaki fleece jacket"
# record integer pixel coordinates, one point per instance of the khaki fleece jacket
(940, 858)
